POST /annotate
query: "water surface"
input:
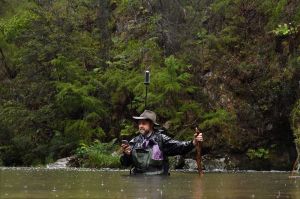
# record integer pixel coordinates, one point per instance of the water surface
(72, 183)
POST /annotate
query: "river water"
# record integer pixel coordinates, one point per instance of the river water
(41, 183)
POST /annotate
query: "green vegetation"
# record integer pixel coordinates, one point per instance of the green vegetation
(260, 153)
(71, 72)
(98, 155)
(285, 30)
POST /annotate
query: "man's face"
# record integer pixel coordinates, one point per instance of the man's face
(145, 126)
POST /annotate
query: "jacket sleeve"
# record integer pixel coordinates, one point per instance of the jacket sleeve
(173, 147)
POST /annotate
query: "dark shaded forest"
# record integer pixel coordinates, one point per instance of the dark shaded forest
(71, 76)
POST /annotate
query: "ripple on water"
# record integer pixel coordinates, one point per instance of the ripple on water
(183, 184)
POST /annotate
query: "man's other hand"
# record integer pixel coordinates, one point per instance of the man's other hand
(197, 137)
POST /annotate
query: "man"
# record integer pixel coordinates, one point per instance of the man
(147, 153)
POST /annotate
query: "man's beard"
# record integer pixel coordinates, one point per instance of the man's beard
(143, 131)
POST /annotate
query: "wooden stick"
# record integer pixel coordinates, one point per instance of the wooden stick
(198, 155)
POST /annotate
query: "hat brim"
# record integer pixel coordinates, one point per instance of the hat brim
(145, 118)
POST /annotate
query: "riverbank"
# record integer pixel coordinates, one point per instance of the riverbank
(177, 163)
(80, 169)
(107, 155)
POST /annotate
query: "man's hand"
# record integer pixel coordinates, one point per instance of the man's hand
(197, 137)
(126, 149)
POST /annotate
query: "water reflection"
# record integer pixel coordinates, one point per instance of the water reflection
(197, 185)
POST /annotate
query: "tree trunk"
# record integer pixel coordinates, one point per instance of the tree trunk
(295, 122)
(9, 73)
(103, 18)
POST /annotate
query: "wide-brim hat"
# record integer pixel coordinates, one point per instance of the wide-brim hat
(147, 115)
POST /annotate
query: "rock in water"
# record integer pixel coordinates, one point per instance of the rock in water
(190, 164)
(217, 164)
(209, 164)
(60, 163)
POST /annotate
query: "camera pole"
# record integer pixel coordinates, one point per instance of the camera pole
(146, 82)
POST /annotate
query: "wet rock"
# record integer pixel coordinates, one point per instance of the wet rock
(176, 162)
(74, 162)
(60, 163)
(215, 164)
(190, 164)
(209, 163)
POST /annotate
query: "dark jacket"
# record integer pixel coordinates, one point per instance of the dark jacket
(167, 145)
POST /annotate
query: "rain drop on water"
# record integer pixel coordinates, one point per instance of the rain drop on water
(278, 195)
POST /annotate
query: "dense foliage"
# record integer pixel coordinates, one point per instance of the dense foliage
(97, 155)
(72, 73)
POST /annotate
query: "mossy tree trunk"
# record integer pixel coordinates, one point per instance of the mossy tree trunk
(295, 122)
